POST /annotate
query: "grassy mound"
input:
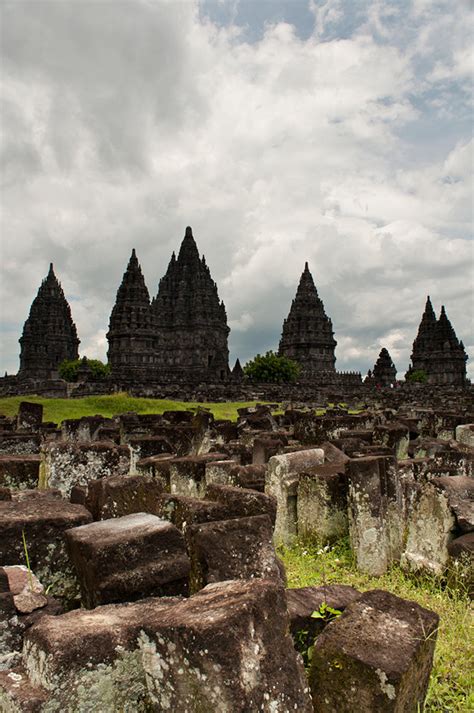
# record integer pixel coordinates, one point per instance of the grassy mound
(57, 410)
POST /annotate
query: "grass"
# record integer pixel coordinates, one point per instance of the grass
(451, 687)
(57, 410)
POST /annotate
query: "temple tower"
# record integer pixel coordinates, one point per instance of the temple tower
(384, 372)
(49, 334)
(190, 320)
(131, 334)
(437, 350)
(307, 335)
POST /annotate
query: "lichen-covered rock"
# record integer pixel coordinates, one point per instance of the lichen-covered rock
(240, 548)
(17, 695)
(187, 474)
(460, 493)
(283, 474)
(64, 465)
(225, 649)
(431, 525)
(127, 558)
(243, 502)
(375, 658)
(121, 495)
(43, 521)
(89, 661)
(19, 471)
(322, 503)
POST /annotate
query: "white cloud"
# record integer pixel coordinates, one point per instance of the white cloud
(124, 124)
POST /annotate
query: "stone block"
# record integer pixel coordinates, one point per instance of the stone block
(30, 416)
(394, 436)
(19, 471)
(462, 545)
(90, 660)
(158, 467)
(250, 476)
(220, 472)
(465, 434)
(44, 521)
(147, 446)
(283, 474)
(240, 548)
(375, 658)
(128, 558)
(226, 649)
(376, 522)
(83, 430)
(121, 495)
(17, 695)
(321, 503)
(265, 448)
(242, 502)
(64, 465)
(19, 443)
(183, 511)
(460, 493)
(431, 525)
(187, 474)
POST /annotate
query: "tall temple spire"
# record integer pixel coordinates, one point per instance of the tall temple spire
(131, 324)
(307, 335)
(49, 334)
(191, 322)
(437, 350)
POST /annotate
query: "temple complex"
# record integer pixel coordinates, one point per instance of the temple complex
(181, 335)
(384, 372)
(307, 335)
(437, 350)
(49, 334)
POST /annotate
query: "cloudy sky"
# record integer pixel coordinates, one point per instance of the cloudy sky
(333, 131)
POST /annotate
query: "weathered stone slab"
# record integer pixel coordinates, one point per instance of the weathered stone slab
(303, 601)
(147, 446)
(183, 511)
(121, 495)
(19, 443)
(220, 472)
(30, 416)
(89, 660)
(431, 525)
(460, 492)
(283, 474)
(44, 521)
(465, 434)
(376, 521)
(128, 558)
(394, 436)
(158, 467)
(375, 658)
(226, 649)
(322, 503)
(64, 465)
(19, 471)
(187, 474)
(240, 548)
(242, 502)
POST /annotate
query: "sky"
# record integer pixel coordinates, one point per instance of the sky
(337, 132)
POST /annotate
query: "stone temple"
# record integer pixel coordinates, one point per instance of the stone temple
(437, 350)
(384, 372)
(49, 334)
(307, 335)
(180, 335)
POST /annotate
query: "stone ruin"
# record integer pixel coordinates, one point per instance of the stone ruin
(154, 583)
(179, 339)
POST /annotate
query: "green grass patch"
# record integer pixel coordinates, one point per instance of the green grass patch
(57, 410)
(451, 687)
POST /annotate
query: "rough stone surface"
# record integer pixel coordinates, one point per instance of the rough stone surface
(322, 504)
(122, 495)
(283, 473)
(127, 558)
(460, 492)
(19, 471)
(241, 548)
(376, 656)
(228, 649)
(243, 502)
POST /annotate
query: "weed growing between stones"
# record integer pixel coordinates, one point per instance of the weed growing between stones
(451, 689)
(27, 558)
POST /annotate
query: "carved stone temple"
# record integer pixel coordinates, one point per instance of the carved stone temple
(437, 351)
(49, 334)
(384, 372)
(181, 334)
(307, 335)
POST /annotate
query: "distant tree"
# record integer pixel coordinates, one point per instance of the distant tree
(272, 369)
(69, 369)
(418, 376)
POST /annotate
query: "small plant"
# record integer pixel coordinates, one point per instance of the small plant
(69, 369)
(418, 376)
(326, 613)
(25, 549)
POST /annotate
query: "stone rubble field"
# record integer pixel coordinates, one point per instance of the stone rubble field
(138, 569)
